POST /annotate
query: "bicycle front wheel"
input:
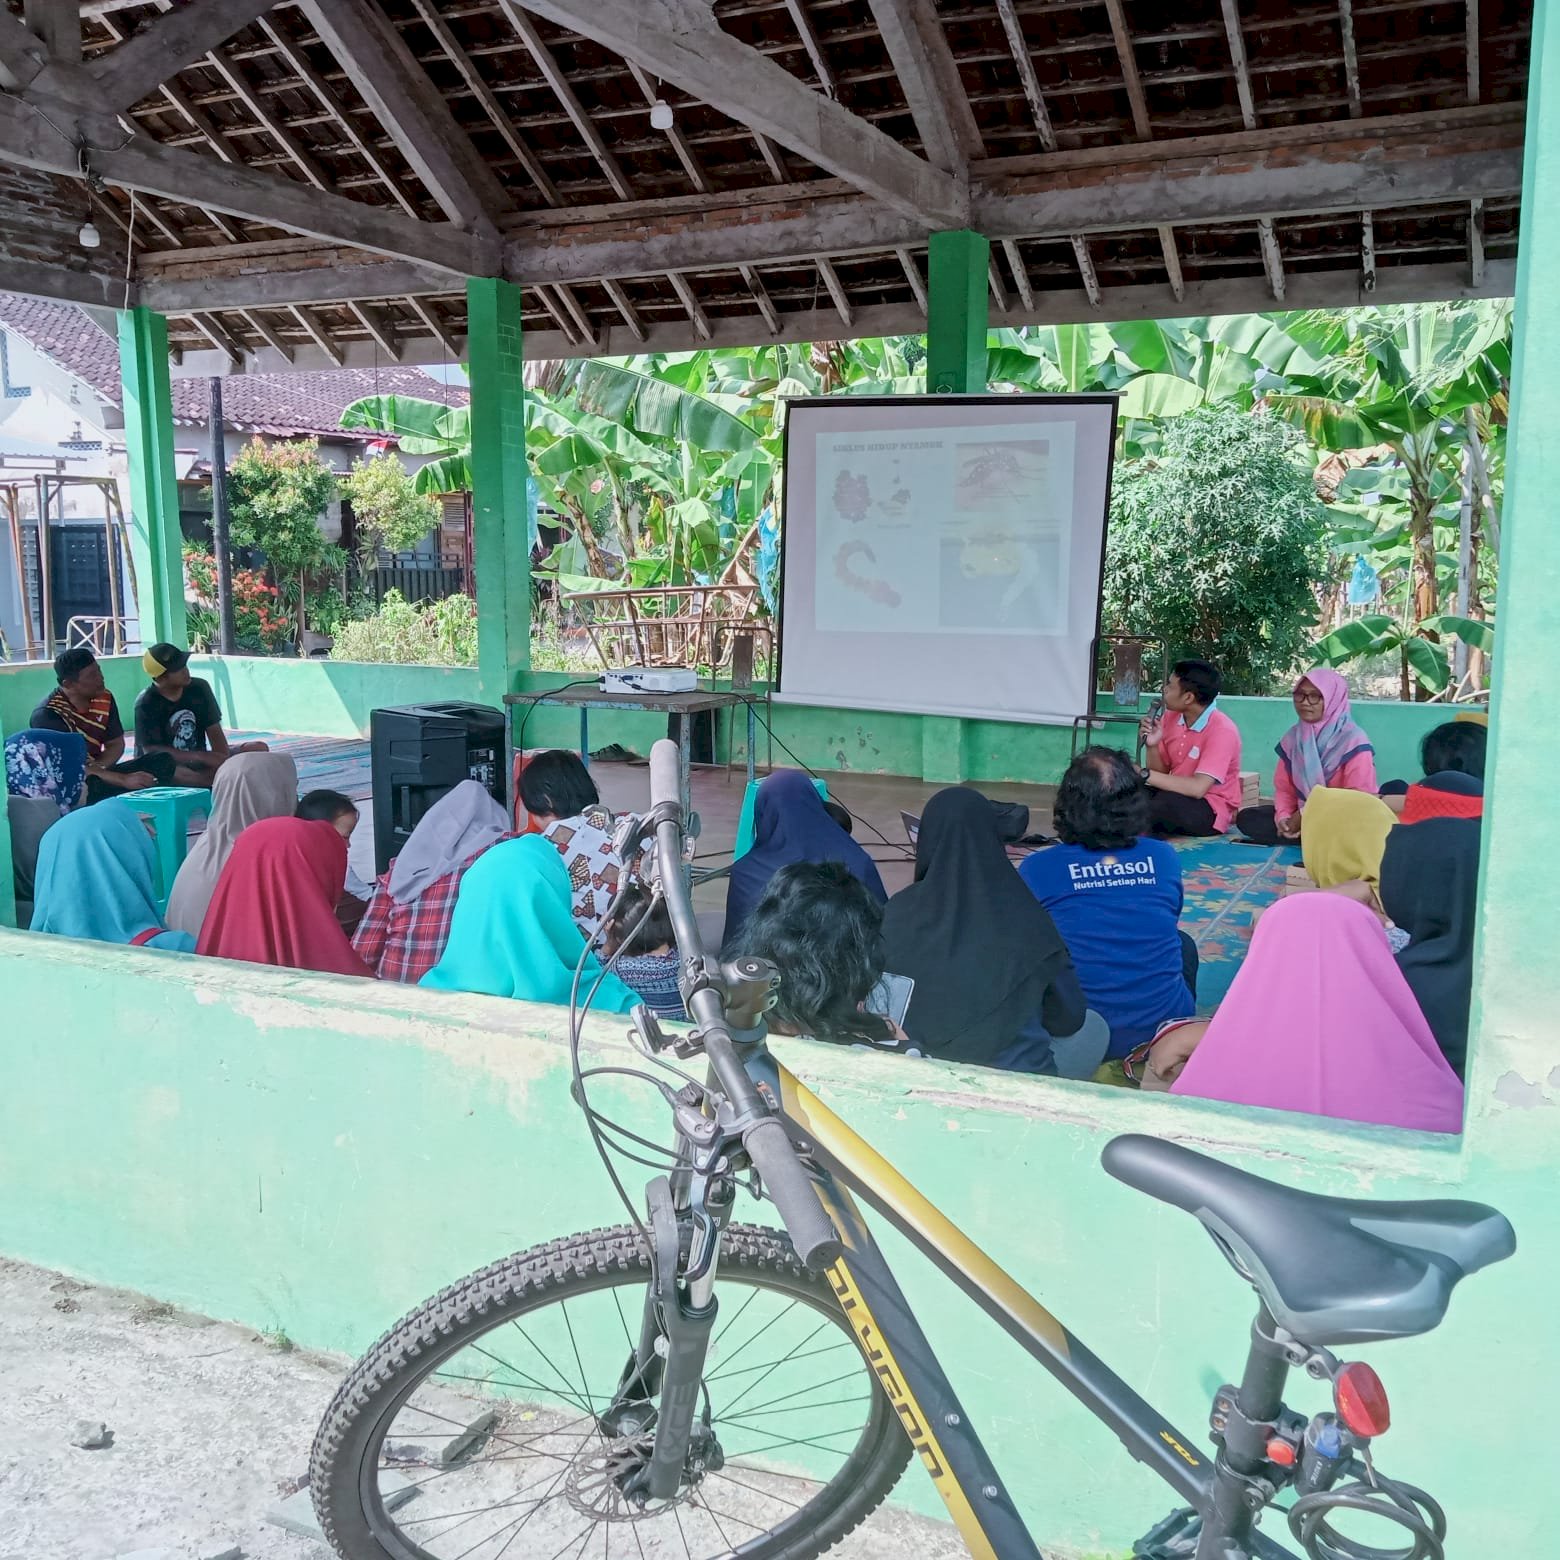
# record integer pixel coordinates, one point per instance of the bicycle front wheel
(472, 1429)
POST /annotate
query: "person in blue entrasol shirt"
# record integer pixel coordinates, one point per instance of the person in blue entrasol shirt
(1115, 897)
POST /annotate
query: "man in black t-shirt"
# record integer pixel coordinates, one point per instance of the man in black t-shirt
(82, 704)
(179, 715)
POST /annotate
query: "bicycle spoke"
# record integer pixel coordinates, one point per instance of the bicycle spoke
(773, 1368)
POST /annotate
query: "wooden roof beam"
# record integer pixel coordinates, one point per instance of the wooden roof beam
(1019, 47)
(424, 311)
(841, 299)
(298, 62)
(999, 295)
(678, 141)
(624, 305)
(1351, 58)
(1142, 127)
(1015, 260)
(164, 47)
(1237, 42)
(681, 42)
(560, 317)
(272, 338)
(1167, 247)
(1272, 259)
(23, 55)
(1476, 243)
(219, 338)
(376, 59)
(913, 276)
(809, 36)
(1471, 37)
(58, 24)
(321, 338)
(918, 48)
(761, 298)
(696, 315)
(1367, 252)
(1086, 271)
(552, 72)
(383, 336)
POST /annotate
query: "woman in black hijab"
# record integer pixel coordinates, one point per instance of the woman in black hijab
(1429, 882)
(994, 983)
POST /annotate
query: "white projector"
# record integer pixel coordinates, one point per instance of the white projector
(649, 679)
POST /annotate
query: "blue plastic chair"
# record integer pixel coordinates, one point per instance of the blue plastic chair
(745, 820)
(170, 807)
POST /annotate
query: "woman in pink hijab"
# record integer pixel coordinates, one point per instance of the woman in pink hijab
(1323, 748)
(1319, 1019)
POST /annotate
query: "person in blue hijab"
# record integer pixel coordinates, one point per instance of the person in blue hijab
(791, 823)
(513, 933)
(96, 879)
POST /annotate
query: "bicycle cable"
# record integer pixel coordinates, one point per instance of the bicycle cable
(1389, 1499)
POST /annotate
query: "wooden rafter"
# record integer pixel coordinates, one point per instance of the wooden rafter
(998, 292)
(1237, 42)
(321, 337)
(918, 49)
(1126, 55)
(424, 311)
(809, 36)
(696, 315)
(1476, 243)
(1167, 247)
(1471, 36)
(378, 330)
(1086, 271)
(841, 299)
(257, 322)
(162, 48)
(630, 315)
(552, 73)
(1272, 259)
(1351, 59)
(1015, 260)
(1033, 96)
(675, 138)
(760, 296)
(1367, 252)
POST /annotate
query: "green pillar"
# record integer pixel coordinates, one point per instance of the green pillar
(956, 318)
(1516, 975)
(498, 473)
(156, 543)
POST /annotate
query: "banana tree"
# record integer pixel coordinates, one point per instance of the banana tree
(1420, 646)
(1403, 378)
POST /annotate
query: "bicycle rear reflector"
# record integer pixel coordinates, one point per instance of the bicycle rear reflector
(1361, 1400)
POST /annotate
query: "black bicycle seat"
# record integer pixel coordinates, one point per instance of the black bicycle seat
(1329, 1269)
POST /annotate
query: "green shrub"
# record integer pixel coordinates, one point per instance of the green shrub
(441, 634)
(1214, 546)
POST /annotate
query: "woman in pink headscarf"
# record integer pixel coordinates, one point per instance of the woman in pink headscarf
(1323, 748)
(1318, 1019)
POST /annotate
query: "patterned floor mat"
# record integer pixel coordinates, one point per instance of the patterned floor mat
(1225, 885)
(324, 763)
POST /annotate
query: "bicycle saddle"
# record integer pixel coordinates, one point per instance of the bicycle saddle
(1329, 1269)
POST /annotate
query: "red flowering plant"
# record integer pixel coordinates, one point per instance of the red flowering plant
(260, 625)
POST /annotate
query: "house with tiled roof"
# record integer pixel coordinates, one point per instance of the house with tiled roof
(61, 442)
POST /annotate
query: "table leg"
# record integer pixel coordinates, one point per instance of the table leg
(585, 735)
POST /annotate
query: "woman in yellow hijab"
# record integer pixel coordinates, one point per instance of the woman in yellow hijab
(1344, 837)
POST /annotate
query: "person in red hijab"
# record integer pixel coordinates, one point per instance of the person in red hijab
(275, 902)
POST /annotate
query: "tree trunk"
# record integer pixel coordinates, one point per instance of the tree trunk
(582, 529)
(1421, 530)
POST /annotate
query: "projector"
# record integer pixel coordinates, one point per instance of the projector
(649, 679)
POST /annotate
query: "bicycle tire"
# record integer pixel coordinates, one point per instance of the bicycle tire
(345, 1454)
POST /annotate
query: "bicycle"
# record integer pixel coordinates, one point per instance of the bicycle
(653, 1417)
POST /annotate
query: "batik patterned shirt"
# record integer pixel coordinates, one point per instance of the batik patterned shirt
(585, 843)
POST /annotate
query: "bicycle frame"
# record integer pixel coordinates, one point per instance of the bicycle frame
(847, 1167)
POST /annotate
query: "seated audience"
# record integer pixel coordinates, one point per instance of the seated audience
(45, 778)
(791, 823)
(1319, 1019)
(994, 983)
(97, 878)
(565, 807)
(341, 813)
(251, 786)
(83, 704)
(1345, 834)
(1452, 757)
(639, 935)
(823, 930)
(1193, 751)
(275, 901)
(406, 926)
(179, 717)
(1429, 885)
(513, 933)
(1115, 898)
(332, 807)
(1323, 748)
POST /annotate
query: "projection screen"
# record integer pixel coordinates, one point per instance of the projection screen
(942, 555)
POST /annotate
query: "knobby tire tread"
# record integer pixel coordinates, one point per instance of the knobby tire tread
(517, 1281)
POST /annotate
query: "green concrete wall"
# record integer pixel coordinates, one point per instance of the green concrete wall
(334, 698)
(314, 1155)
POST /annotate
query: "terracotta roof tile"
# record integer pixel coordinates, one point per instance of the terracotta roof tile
(280, 405)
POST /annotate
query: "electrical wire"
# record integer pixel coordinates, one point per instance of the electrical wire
(578, 682)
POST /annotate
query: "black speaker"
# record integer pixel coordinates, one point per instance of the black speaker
(421, 752)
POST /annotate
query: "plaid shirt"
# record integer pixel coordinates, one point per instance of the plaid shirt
(403, 942)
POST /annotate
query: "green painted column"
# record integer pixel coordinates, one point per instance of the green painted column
(498, 472)
(156, 543)
(1517, 977)
(956, 324)
(956, 317)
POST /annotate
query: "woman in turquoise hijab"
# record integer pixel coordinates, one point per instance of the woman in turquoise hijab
(96, 879)
(513, 933)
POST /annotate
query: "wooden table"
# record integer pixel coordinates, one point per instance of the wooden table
(681, 707)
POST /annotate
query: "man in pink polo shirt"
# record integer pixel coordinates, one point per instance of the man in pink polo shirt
(1193, 750)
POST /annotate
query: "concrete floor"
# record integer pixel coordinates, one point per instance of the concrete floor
(211, 1427)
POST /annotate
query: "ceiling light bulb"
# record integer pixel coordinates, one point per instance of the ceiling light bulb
(89, 237)
(661, 114)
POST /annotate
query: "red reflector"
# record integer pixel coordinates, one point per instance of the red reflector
(1361, 1400)
(1281, 1452)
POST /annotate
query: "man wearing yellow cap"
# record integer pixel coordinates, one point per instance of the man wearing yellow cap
(179, 716)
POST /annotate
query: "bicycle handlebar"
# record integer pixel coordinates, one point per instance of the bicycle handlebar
(811, 1230)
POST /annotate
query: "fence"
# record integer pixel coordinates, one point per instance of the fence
(416, 576)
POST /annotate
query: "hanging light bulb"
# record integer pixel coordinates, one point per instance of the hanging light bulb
(661, 116)
(89, 237)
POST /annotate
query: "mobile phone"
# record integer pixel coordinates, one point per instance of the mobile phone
(891, 997)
